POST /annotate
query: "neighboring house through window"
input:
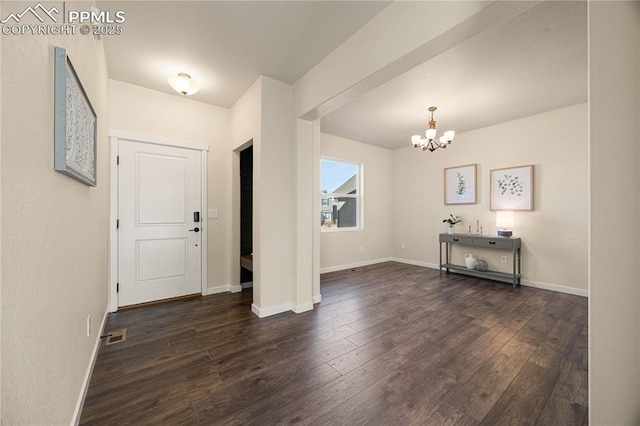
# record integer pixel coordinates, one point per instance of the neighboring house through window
(341, 192)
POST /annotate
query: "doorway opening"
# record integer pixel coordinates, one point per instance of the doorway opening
(246, 217)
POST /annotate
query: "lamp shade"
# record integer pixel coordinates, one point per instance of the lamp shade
(505, 219)
(183, 83)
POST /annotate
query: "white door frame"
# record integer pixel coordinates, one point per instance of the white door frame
(115, 136)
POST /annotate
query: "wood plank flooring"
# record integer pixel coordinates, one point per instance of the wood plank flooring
(390, 344)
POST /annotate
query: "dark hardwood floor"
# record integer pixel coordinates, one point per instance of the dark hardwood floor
(390, 344)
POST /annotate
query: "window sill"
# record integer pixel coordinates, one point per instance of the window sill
(331, 230)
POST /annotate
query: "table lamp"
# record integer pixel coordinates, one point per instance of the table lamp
(504, 220)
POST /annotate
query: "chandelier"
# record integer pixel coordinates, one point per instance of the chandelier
(430, 142)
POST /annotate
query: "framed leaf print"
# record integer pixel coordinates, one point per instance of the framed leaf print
(460, 184)
(512, 188)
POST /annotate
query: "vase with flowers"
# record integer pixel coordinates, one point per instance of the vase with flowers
(451, 222)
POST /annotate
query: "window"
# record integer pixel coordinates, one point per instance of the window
(341, 192)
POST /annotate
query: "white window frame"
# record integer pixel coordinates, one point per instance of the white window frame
(359, 197)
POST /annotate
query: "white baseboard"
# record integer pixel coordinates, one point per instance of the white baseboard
(354, 265)
(317, 298)
(219, 289)
(298, 309)
(556, 288)
(415, 262)
(89, 372)
(228, 288)
(275, 310)
(544, 286)
(267, 312)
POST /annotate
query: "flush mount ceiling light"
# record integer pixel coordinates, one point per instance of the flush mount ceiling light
(430, 142)
(184, 84)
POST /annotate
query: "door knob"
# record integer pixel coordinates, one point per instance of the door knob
(194, 230)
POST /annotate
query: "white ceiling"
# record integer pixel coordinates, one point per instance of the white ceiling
(534, 62)
(529, 64)
(226, 45)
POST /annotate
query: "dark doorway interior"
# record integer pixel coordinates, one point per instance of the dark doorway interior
(246, 215)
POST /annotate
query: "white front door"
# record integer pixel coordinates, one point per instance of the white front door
(159, 241)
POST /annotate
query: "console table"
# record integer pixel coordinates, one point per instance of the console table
(499, 243)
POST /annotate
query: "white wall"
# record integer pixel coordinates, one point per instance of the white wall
(264, 116)
(338, 249)
(303, 288)
(554, 235)
(139, 110)
(54, 234)
(276, 187)
(1, 14)
(614, 274)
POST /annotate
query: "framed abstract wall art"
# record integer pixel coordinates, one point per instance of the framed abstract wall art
(460, 184)
(75, 124)
(512, 188)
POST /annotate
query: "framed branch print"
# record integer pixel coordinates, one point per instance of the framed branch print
(74, 124)
(512, 188)
(460, 184)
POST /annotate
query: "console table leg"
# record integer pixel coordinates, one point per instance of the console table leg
(515, 260)
(519, 266)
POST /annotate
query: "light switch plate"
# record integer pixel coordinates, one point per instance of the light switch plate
(212, 213)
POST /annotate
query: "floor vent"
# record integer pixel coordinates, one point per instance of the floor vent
(117, 336)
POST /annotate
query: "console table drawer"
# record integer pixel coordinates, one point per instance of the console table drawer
(456, 239)
(494, 243)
